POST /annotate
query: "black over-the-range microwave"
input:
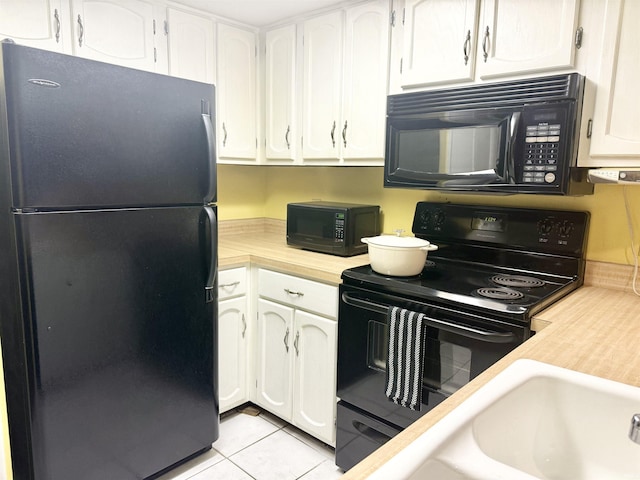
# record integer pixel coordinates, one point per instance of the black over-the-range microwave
(332, 227)
(518, 136)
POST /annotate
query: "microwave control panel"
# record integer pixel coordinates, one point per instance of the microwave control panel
(339, 227)
(541, 156)
(541, 153)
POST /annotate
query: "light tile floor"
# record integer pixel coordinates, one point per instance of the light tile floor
(261, 447)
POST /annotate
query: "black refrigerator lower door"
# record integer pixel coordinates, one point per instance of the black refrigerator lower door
(119, 342)
(359, 435)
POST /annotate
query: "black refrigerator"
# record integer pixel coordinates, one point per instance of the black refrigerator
(108, 267)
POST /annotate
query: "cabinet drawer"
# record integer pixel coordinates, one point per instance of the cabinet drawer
(299, 292)
(232, 282)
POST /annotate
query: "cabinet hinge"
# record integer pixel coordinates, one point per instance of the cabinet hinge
(403, 13)
(393, 18)
(401, 66)
(589, 128)
(166, 27)
(155, 55)
(578, 39)
(154, 26)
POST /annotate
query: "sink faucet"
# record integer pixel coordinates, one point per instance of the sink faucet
(634, 431)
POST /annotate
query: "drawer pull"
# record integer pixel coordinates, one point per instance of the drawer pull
(291, 292)
(229, 285)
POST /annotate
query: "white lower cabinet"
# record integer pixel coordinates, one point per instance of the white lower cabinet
(296, 352)
(233, 338)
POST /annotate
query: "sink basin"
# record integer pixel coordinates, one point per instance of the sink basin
(532, 421)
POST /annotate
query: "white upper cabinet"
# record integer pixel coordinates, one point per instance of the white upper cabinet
(281, 130)
(321, 127)
(517, 36)
(439, 41)
(236, 93)
(35, 23)
(444, 42)
(115, 32)
(366, 63)
(345, 84)
(191, 46)
(615, 140)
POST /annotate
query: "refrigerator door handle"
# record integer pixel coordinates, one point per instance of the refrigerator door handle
(211, 150)
(209, 288)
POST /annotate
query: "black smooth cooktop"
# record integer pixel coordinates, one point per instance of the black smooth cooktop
(484, 287)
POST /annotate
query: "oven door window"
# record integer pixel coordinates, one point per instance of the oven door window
(450, 361)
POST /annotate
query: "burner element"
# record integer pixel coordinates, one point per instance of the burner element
(500, 293)
(516, 281)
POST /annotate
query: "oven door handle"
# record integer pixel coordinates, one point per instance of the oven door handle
(466, 331)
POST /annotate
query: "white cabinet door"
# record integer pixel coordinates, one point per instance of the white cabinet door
(280, 93)
(232, 352)
(517, 37)
(236, 93)
(615, 137)
(115, 32)
(34, 23)
(314, 396)
(191, 46)
(274, 365)
(366, 57)
(321, 127)
(439, 41)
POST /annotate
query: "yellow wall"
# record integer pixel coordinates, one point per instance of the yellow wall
(250, 191)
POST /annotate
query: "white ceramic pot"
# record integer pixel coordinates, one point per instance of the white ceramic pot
(398, 256)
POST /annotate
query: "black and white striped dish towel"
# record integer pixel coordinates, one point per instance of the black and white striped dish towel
(405, 357)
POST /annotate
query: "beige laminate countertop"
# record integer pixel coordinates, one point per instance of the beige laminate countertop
(594, 330)
(268, 248)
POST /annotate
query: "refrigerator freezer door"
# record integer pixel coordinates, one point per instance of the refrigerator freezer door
(86, 134)
(122, 340)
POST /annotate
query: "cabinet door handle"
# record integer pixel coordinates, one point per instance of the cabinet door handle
(344, 134)
(228, 285)
(224, 130)
(244, 325)
(466, 47)
(291, 292)
(333, 131)
(485, 44)
(56, 17)
(286, 137)
(286, 340)
(80, 31)
(295, 342)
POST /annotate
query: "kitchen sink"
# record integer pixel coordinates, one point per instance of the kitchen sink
(532, 421)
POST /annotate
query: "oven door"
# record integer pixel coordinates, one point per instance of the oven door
(459, 346)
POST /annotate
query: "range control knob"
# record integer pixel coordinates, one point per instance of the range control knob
(438, 218)
(565, 228)
(545, 227)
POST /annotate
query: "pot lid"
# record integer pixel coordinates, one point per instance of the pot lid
(396, 241)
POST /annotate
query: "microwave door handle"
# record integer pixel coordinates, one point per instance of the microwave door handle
(514, 123)
(465, 331)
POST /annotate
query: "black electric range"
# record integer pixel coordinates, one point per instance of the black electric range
(494, 269)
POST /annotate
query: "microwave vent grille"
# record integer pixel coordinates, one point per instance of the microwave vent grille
(494, 95)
